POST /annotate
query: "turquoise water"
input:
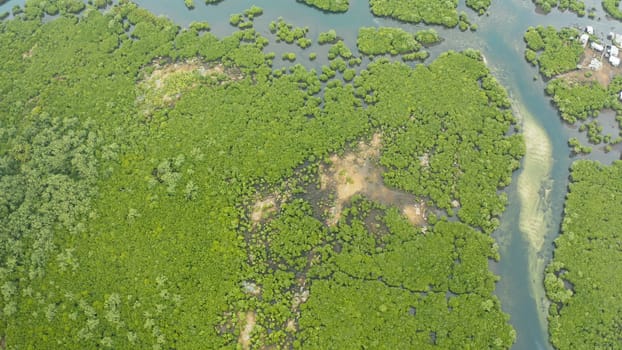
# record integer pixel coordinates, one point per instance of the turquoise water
(499, 37)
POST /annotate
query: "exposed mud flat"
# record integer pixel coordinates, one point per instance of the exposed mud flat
(358, 172)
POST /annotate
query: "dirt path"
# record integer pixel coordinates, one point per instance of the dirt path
(245, 335)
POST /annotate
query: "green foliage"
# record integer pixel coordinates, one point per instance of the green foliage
(395, 277)
(577, 101)
(288, 33)
(133, 158)
(415, 56)
(189, 4)
(385, 40)
(341, 50)
(416, 11)
(327, 37)
(463, 22)
(418, 160)
(557, 51)
(531, 56)
(612, 7)
(479, 5)
(577, 147)
(289, 56)
(576, 6)
(427, 37)
(245, 20)
(235, 19)
(329, 5)
(253, 12)
(581, 280)
(594, 130)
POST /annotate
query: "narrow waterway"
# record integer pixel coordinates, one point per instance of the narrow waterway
(536, 195)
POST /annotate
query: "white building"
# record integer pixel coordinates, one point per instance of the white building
(615, 61)
(615, 52)
(595, 64)
(589, 30)
(617, 39)
(597, 47)
(584, 38)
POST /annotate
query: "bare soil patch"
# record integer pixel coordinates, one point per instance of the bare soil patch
(358, 172)
(29, 53)
(247, 328)
(163, 83)
(584, 74)
(415, 213)
(262, 208)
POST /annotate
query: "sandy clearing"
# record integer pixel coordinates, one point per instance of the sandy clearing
(603, 76)
(358, 172)
(263, 207)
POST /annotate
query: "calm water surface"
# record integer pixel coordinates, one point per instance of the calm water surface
(499, 37)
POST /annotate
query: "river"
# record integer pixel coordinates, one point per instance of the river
(536, 196)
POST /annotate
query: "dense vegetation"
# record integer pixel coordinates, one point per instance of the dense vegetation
(612, 7)
(451, 175)
(420, 299)
(554, 51)
(133, 161)
(385, 40)
(582, 280)
(288, 33)
(479, 5)
(327, 37)
(429, 12)
(581, 103)
(329, 5)
(395, 41)
(579, 100)
(576, 6)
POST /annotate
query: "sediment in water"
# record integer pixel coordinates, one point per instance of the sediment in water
(534, 186)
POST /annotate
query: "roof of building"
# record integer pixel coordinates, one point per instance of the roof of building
(595, 64)
(597, 46)
(614, 60)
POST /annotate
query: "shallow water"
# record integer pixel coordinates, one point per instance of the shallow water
(499, 37)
